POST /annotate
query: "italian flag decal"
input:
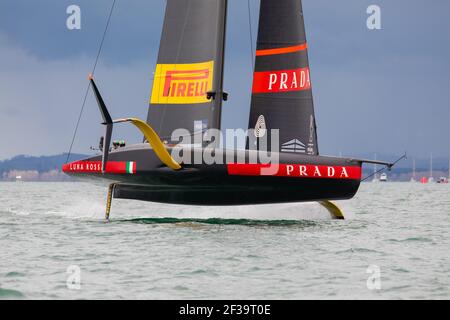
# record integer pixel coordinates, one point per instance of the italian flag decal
(131, 167)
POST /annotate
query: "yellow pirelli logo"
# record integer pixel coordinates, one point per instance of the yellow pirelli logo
(182, 83)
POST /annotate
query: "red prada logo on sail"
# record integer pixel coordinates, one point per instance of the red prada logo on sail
(281, 81)
(295, 170)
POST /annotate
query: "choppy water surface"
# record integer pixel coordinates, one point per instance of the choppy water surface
(294, 251)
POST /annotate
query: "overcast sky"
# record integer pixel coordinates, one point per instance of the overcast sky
(385, 91)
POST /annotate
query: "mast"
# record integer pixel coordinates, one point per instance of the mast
(220, 64)
(431, 169)
(413, 178)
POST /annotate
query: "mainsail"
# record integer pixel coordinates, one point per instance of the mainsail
(187, 86)
(281, 94)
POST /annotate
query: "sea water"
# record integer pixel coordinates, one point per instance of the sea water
(54, 244)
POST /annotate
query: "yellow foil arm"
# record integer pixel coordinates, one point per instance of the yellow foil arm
(154, 141)
(332, 209)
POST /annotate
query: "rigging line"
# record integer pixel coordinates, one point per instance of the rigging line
(375, 173)
(89, 85)
(252, 67)
(385, 167)
(251, 32)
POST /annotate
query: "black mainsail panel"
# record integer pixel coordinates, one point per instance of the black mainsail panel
(281, 93)
(190, 65)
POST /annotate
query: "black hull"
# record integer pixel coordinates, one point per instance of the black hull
(240, 195)
(204, 184)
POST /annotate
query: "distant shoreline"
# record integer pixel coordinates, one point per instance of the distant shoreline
(48, 168)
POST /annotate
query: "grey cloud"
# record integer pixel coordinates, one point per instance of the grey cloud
(375, 91)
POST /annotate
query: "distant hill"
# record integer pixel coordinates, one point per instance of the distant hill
(32, 168)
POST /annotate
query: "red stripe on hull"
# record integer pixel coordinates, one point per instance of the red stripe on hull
(95, 167)
(295, 171)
